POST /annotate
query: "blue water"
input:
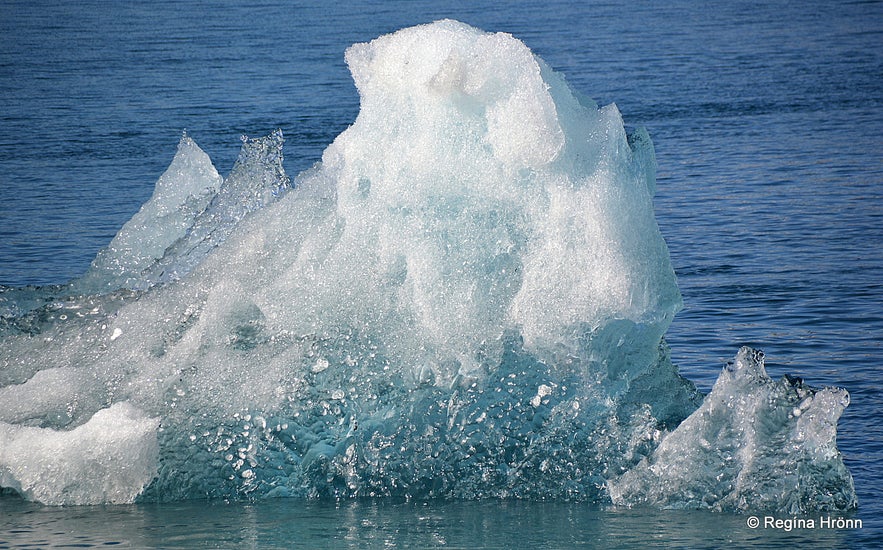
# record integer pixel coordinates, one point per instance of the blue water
(388, 524)
(767, 120)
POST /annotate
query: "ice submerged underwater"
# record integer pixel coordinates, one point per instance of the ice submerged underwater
(466, 298)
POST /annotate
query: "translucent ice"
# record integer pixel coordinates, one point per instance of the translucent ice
(192, 211)
(256, 180)
(110, 458)
(465, 298)
(753, 445)
(180, 196)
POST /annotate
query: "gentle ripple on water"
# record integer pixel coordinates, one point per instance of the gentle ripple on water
(285, 523)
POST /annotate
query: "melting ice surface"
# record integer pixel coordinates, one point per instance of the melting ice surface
(466, 298)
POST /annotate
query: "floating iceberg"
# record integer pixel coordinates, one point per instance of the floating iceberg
(753, 445)
(466, 298)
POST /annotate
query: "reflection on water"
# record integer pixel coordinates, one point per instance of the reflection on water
(289, 523)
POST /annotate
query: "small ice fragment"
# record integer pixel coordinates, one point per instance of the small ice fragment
(542, 391)
(321, 364)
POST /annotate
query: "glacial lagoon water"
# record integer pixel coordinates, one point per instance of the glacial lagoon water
(767, 195)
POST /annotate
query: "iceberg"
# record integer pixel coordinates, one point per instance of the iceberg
(192, 211)
(465, 298)
(753, 445)
(109, 459)
(180, 196)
